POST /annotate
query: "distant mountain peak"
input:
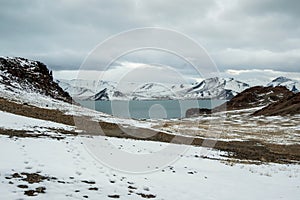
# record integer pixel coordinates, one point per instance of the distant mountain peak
(292, 85)
(282, 79)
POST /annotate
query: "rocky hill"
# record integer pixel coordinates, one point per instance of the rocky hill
(250, 98)
(287, 106)
(32, 76)
(258, 96)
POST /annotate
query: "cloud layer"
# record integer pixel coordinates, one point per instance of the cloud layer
(238, 34)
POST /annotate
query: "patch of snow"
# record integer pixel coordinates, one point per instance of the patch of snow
(18, 122)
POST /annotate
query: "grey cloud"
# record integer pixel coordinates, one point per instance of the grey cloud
(270, 7)
(61, 33)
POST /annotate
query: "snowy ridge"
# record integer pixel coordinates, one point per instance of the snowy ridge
(90, 89)
(222, 88)
(290, 84)
(218, 88)
(104, 90)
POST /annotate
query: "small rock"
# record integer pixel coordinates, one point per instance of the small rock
(89, 182)
(94, 188)
(30, 193)
(114, 196)
(40, 190)
(22, 186)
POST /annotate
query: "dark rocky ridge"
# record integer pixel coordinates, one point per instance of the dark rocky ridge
(255, 97)
(30, 75)
(250, 98)
(286, 106)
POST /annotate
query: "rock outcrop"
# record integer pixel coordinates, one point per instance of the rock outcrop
(256, 97)
(30, 75)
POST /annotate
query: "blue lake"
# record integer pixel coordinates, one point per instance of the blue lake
(149, 109)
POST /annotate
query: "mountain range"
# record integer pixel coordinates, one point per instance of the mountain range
(211, 88)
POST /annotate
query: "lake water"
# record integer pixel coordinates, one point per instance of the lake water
(149, 109)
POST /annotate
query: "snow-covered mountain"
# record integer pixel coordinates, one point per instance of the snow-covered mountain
(290, 84)
(91, 89)
(220, 88)
(75, 91)
(159, 91)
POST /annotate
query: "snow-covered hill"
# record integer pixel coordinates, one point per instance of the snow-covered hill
(290, 84)
(103, 90)
(20, 74)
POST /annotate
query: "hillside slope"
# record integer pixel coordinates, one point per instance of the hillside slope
(253, 97)
(258, 96)
(31, 76)
(287, 106)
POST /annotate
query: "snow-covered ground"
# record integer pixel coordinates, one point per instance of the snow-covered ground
(190, 177)
(17, 122)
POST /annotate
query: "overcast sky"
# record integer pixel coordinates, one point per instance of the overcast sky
(237, 34)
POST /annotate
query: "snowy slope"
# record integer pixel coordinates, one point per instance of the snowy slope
(290, 84)
(77, 175)
(17, 122)
(75, 91)
(222, 88)
(31, 76)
